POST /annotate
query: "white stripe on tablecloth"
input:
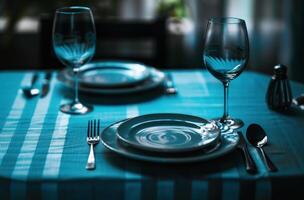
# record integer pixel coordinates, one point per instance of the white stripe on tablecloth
(14, 116)
(191, 84)
(54, 155)
(29, 145)
(53, 159)
(201, 78)
(132, 111)
(133, 180)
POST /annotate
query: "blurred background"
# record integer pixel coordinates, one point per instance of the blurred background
(275, 30)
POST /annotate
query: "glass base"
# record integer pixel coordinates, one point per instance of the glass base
(229, 124)
(75, 108)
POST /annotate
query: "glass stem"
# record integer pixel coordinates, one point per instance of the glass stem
(226, 114)
(75, 70)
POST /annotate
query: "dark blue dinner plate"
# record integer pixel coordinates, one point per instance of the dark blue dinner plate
(227, 143)
(114, 78)
(168, 132)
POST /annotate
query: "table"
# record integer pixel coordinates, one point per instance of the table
(43, 151)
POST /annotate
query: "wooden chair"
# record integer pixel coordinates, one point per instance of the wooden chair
(138, 41)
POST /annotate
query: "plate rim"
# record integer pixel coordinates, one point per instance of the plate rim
(163, 116)
(168, 160)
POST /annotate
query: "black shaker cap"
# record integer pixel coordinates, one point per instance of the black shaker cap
(280, 71)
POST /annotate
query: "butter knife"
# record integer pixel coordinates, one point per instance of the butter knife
(46, 84)
(169, 85)
(250, 164)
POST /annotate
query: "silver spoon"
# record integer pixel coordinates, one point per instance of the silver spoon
(258, 138)
(31, 91)
(299, 101)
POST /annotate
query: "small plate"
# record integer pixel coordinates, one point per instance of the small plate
(228, 142)
(156, 79)
(166, 132)
(109, 74)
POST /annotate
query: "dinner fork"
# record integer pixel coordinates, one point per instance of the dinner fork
(92, 139)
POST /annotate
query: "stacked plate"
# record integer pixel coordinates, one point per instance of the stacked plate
(113, 77)
(168, 138)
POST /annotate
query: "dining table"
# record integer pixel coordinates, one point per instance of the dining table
(43, 152)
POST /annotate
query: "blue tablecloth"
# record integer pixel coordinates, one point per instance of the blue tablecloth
(43, 152)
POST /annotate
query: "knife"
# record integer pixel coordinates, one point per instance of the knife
(46, 84)
(250, 164)
(169, 85)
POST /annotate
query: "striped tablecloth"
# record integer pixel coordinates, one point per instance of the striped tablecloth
(43, 152)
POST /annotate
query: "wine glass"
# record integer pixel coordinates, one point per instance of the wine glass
(226, 52)
(74, 41)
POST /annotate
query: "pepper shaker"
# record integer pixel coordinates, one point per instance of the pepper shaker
(279, 95)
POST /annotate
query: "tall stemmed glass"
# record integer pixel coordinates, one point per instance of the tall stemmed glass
(226, 53)
(74, 41)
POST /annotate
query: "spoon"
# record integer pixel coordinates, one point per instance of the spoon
(299, 101)
(258, 138)
(31, 91)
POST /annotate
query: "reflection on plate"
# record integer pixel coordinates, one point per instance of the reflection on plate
(228, 142)
(166, 132)
(156, 79)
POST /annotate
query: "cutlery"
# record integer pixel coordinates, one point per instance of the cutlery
(169, 85)
(250, 165)
(31, 91)
(46, 84)
(299, 101)
(92, 139)
(258, 138)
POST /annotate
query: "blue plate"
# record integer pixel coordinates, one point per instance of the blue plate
(168, 132)
(109, 74)
(227, 143)
(155, 80)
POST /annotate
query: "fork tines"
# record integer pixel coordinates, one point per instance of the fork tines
(93, 128)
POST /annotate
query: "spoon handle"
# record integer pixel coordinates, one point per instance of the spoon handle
(271, 167)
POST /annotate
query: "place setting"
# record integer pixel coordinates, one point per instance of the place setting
(113, 77)
(100, 77)
(168, 138)
(173, 138)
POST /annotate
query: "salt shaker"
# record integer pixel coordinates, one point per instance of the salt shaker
(279, 95)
